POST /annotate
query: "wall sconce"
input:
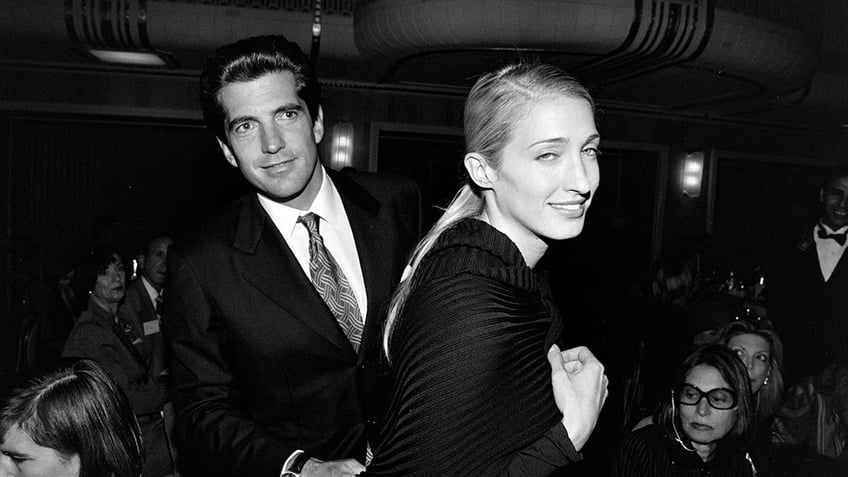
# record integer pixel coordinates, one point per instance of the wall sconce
(693, 173)
(341, 155)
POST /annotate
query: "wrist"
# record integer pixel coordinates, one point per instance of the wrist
(576, 432)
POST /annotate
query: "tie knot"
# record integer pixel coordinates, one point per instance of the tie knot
(310, 221)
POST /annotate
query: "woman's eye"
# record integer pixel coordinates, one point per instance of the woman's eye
(546, 157)
(740, 353)
(591, 151)
(762, 357)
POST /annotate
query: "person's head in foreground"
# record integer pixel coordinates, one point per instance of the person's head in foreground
(74, 422)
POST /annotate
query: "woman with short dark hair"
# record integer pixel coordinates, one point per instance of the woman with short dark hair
(102, 335)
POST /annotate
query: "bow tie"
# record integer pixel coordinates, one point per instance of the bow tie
(840, 238)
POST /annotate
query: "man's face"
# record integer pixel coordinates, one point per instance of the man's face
(834, 198)
(154, 267)
(272, 138)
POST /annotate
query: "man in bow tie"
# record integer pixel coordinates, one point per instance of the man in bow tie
(809, 297)
(274, 310)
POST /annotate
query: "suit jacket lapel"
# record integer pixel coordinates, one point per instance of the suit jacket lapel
(368, 230)
(841, 269)
(269, 265)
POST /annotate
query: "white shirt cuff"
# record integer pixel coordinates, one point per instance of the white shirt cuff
(290, 460)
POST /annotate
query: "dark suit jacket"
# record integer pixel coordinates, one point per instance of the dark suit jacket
(810, 315)
(260, 365)
(137, 309)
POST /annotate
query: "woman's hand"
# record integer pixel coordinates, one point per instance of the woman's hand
(580, 389)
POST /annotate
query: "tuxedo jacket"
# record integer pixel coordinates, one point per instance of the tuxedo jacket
(811, 315)
(137, 309)
(261, 367)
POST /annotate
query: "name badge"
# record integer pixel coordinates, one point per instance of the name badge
(151, 327)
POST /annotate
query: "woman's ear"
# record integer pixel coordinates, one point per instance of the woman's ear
(479, 170)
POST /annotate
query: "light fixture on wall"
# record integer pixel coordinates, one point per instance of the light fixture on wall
(693, 173)
(341, 155)
(139, 58)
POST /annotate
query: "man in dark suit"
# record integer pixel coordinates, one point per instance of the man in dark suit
(808, 296)
(270, 376)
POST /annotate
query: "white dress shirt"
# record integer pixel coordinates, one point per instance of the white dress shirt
(829, 250)
(334, 229)
(151, 292)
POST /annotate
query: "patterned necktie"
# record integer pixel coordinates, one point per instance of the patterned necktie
(840, 238)
(331, 283)
(158, 307)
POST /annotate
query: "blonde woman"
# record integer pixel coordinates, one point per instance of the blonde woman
(471, 331)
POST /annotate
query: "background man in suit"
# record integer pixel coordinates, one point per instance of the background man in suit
(142, 301)
(808, 296)
(268, 376)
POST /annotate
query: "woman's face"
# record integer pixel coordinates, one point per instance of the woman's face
(704, 424)
(548, 172)
(755, 353)
(109, 287)
(21, 457)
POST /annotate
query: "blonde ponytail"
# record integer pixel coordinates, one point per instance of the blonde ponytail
(466, 203)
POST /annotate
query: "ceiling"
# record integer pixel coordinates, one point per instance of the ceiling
(779, 61)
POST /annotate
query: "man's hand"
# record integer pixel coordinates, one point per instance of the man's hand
(332, 468)
(580, 390)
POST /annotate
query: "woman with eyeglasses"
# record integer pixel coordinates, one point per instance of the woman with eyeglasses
(702, 427)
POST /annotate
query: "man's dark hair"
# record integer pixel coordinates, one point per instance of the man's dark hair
(247, 60)
(837, 171)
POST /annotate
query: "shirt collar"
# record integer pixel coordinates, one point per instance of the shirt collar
(147, 286)
(324, 205)
(829, 230)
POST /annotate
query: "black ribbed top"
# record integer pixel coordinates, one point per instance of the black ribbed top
(472, 391)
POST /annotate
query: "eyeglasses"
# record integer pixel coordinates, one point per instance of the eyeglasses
(719, 398)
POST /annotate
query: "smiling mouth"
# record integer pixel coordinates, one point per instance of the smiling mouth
(574, 210)
(281, 163)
